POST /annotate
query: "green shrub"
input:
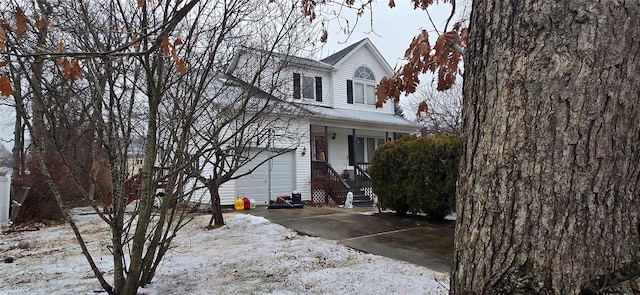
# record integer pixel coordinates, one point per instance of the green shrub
(417, 174)
(388, 172)
(433, 171)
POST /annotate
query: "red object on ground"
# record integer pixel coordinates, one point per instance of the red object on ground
(282, 199)
(247, 203)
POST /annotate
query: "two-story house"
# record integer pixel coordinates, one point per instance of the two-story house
(338, 133)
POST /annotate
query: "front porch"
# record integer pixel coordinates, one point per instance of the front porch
(330, 187)
(341, 145)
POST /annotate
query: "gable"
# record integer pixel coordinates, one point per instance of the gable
(361, 50)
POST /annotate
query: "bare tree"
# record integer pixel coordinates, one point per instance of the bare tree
(443, 113)
(245, 118)
(94, 77)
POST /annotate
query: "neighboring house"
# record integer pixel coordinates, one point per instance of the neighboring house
(135, 156)
(338, 133)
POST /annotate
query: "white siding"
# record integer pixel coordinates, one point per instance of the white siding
(327, 98)
(303, 171)
(361, 57)
(339, 147)
(202, 195)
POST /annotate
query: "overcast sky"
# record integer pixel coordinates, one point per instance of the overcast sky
(391, 30)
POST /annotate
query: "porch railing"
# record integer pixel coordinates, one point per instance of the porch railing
(361, 172)
(324, 177)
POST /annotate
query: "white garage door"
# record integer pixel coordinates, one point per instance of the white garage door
(256, 185)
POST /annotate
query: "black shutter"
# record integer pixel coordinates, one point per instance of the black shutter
(352, 150)
(296, 86)
(350, 95)
(318, 88)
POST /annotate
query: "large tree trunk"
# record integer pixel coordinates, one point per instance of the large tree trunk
(550, 171)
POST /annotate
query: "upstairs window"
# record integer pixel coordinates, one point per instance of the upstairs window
(364, 73)
(362, 89)
(307, 87)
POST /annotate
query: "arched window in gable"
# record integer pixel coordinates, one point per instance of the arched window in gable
(364, 73)
(362, 89)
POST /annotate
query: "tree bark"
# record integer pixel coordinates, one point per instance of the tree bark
(217, 220)
(550, 168)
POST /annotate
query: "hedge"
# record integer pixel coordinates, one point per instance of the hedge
(417, 174)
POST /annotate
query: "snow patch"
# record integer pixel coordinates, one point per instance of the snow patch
(249, 255)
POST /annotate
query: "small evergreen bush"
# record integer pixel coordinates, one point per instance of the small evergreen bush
(388, 172)
(417, 174)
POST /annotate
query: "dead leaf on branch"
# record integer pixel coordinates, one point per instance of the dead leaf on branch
(325, 35)
(452, 38)
(3, 38)
(422, 108)
(181, 66)
(40, 22)
(421, 59)
(168, 47)
(70, 68)
(21, 23)
(165, 45)
(5, 86)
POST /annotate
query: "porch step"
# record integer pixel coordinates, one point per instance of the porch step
(362, 200)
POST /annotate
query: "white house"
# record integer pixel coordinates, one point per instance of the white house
(337, 133)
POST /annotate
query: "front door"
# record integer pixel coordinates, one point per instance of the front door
(320, 148)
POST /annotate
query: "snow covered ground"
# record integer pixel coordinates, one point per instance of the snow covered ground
(249, 255)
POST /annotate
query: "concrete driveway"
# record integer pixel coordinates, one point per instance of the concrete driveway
(412, 239)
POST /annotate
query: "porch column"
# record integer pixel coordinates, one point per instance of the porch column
(326, 144)
(352, 152)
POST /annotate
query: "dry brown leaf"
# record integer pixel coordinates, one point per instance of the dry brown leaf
(181, 65)
(5, 86)
(3, 39)
(165, 45)
(21, 23)
(422, 108)
(38, 23)
(70, 68)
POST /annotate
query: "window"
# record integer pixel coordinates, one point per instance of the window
(362, 89)
(361, 149)
(371, 146)
(364, 73)
(307, 87)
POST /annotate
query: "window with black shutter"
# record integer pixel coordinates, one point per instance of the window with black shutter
(350, 91)
(296, 86)
(319, 89)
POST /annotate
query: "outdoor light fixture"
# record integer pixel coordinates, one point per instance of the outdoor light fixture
(333, 136)
(304, 150)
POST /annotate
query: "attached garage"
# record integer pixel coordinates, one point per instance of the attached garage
(277, 174)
